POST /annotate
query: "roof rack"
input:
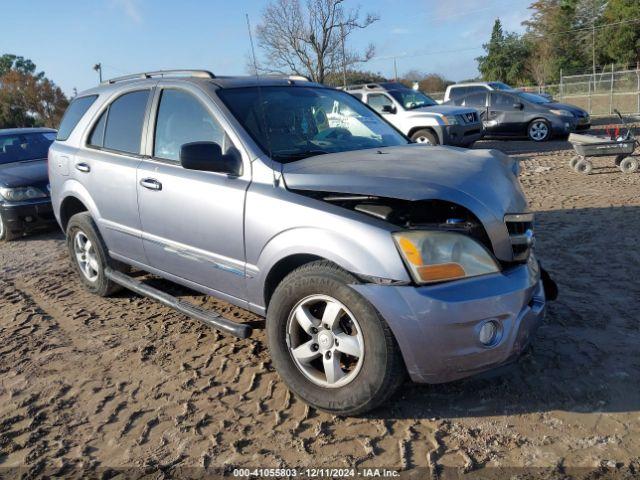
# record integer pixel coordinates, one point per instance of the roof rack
(162, 73)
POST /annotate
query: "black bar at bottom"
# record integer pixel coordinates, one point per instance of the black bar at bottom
(209, 318)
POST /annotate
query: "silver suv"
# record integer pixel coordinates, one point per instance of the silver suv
(370, 256)
(419, 116)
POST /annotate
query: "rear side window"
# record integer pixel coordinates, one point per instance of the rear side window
(357, 95)
(97, 135)
(125, 117)
(457, 92)
(478, 99)
(76, 110)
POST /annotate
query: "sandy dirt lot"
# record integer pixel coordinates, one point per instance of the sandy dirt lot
(123, 382)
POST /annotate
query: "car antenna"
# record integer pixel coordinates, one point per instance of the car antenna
(276, 179)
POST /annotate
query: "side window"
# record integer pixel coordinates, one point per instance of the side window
(378, 100)
(123, 131)
(181, 119)
(75, 111)
(477, 100)
(457, 92)
(357, 95)
(96, 139)
(501, 101)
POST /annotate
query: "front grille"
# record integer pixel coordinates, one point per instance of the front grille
(468, 118)
(520, 228)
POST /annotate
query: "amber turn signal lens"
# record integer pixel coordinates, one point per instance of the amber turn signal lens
(443, 271)
(411, 252)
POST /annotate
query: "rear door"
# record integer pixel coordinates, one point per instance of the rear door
(505, 116)
(192, 221)
(107, 168)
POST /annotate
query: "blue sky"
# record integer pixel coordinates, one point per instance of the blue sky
(66, 38)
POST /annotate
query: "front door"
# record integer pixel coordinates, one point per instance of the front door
(506, 114)
(192, 221)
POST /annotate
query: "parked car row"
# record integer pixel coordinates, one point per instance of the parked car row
(372, 257)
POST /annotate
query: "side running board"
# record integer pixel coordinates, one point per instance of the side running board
(209, 318)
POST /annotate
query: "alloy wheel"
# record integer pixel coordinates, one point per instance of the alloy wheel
(325, 341)
(538, 130)
(424, 140)
(86, 256)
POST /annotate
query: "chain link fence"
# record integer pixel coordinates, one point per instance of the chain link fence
(598, 94)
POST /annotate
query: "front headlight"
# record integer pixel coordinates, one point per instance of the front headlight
(21, 194)
(562, 113)
(450, 120)
(435, 256)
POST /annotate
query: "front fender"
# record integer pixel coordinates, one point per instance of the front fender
(370, 252)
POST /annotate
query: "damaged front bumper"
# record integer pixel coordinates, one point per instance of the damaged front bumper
(438, 327)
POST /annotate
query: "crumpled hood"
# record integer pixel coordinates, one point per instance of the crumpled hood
(24, 174)
(482, 181)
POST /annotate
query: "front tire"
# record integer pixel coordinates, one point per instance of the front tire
(89, 255)
(6, 235)
(425, 136)
(329, 344)
(539, 130)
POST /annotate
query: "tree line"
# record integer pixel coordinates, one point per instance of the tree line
(27, 97)
(568, 36)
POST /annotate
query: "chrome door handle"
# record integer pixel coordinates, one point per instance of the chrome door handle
(83, 167)
(151, 184)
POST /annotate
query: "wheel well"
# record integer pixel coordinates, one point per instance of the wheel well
(70, 206)
(281, 270)
(415, 129)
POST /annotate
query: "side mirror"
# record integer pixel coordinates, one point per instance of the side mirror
(208, 157)
(518, 106)
(388, 109)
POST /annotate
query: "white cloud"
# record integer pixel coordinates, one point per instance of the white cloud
(130, 8)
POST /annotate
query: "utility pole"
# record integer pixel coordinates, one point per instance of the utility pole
(344, 59)
(98, 68)
(395, 69)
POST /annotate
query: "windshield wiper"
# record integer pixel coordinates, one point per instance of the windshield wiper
(298, 155)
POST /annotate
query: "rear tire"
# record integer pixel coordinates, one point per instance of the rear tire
(539, 130)
(6, 235)
(425, 136)
(89, 255)
(366, 379)
(628, 165)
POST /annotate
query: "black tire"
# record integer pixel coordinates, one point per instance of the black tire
(82, 222)
(382, 370)
(425, 136)
(7, 235)
(534, 126)
(628, 165)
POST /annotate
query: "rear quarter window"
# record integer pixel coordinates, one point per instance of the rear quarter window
(76, 110)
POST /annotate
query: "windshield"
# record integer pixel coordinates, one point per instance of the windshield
(411, 99)
(25, 146)
(500, 86)
(298, 122)
(533, 98)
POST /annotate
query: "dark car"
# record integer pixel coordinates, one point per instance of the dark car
(512, 113)
(25, 204)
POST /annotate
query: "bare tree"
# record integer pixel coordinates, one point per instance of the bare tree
(311, 43)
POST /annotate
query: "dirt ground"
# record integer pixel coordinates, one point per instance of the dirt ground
(113, 383)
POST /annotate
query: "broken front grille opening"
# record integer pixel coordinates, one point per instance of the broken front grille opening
(521, 236)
